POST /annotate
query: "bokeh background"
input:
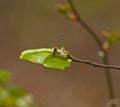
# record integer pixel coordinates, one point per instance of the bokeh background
(27, 24)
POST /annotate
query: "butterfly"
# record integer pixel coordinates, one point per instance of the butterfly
(49, 57)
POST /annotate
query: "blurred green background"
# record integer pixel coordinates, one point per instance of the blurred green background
(27, 24)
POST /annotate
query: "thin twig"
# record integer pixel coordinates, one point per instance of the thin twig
(109, 78)
(88, 62)
(98, 41)
(84, 24)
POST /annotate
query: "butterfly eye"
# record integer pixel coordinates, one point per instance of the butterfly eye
(55, 52)
(54, 49)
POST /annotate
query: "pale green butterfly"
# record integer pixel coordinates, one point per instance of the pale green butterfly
(49, 57)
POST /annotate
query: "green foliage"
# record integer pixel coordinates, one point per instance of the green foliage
(52, 58)
(12, 96)
(16, 91)
(110, 39)
(66, 10)
(113, 38)
(4, 76)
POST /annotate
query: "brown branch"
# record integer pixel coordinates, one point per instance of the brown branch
(109, 78)
(88, 62)
(84, 24)
(98, 41)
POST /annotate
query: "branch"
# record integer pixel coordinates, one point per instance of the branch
(98, 41)
(88, 62)
(109, 79)
(83, 23)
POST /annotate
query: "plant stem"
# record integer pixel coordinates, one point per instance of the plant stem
(99, 42)
(108, 78)
(88, 62)
(81, 22)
